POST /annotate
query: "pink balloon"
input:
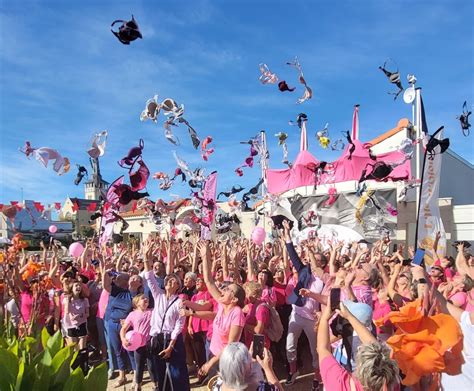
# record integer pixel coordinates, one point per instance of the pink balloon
(53, 229)
(258, 235)
(135, 340)
(76, 249)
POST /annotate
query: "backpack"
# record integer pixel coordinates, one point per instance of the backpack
(274, 330)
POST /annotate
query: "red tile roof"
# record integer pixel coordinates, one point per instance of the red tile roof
(402, 124)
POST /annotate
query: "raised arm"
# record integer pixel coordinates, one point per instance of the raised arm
(394, 295)
(363, 332)
(54, 269)
(44, 256)
(461, 262)
(295, 259)
(322, 299)
(323, 341)
(446, 307)
(225, 265)
(332, 261)
(360, 253)
(170, 256)
(118, 264)
(348, 280)
(434, 247)
(84, 256)
(148, 267)
(286, 259)
(205, 255)
(250, 269)
(194, 267)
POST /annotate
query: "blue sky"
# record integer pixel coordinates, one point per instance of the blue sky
(64, 76)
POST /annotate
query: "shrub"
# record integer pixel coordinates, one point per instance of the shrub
(42, 362)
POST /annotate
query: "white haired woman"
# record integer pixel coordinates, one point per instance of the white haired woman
(238, 372)
(168, 356)
(375, 370)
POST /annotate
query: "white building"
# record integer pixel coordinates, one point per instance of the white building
(32, 223)
(455, 199)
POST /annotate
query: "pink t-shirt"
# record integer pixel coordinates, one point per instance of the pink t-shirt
(335, 377)
(459, 299)
(215, 305)
(257, 313)
(280, 293)
(196, 323)
(269, 295)
(221, 327)
(76, 314)
(380, 310)
(26, 306)
(363, 293)
(102, 305)
(140, 322)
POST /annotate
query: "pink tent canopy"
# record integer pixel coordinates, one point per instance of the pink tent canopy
(303, 171)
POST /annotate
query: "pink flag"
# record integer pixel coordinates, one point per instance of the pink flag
(209, 196)
(355, 123)
(38, 206)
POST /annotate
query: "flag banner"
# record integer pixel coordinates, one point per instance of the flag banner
(355, 123)
(429, 218)
(209, 196)
(373, 215)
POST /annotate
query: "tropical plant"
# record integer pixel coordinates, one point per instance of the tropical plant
(43, 363)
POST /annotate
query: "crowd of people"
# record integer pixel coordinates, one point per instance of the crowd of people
(225, 311)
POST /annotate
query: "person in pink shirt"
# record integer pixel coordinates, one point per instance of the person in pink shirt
(229, 320)
(381, 309)
(139, 321)
(375, 370)
(76, 312)
(258, 314)
(27, 302)
(102, 331)
(284, 311)
(265, 279)
(199, 315)
(198, 328)
(457, 290)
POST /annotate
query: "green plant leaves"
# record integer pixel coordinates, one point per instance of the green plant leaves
(14, 347)
(97, 378)
(61, 364)
(55, 343)
(28, 343)
(28, 365)
(45, 336)
(9, 366)
(75, 382)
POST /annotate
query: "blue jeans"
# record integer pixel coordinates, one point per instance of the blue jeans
(176, 366)
(111, 358)
(116, 349)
